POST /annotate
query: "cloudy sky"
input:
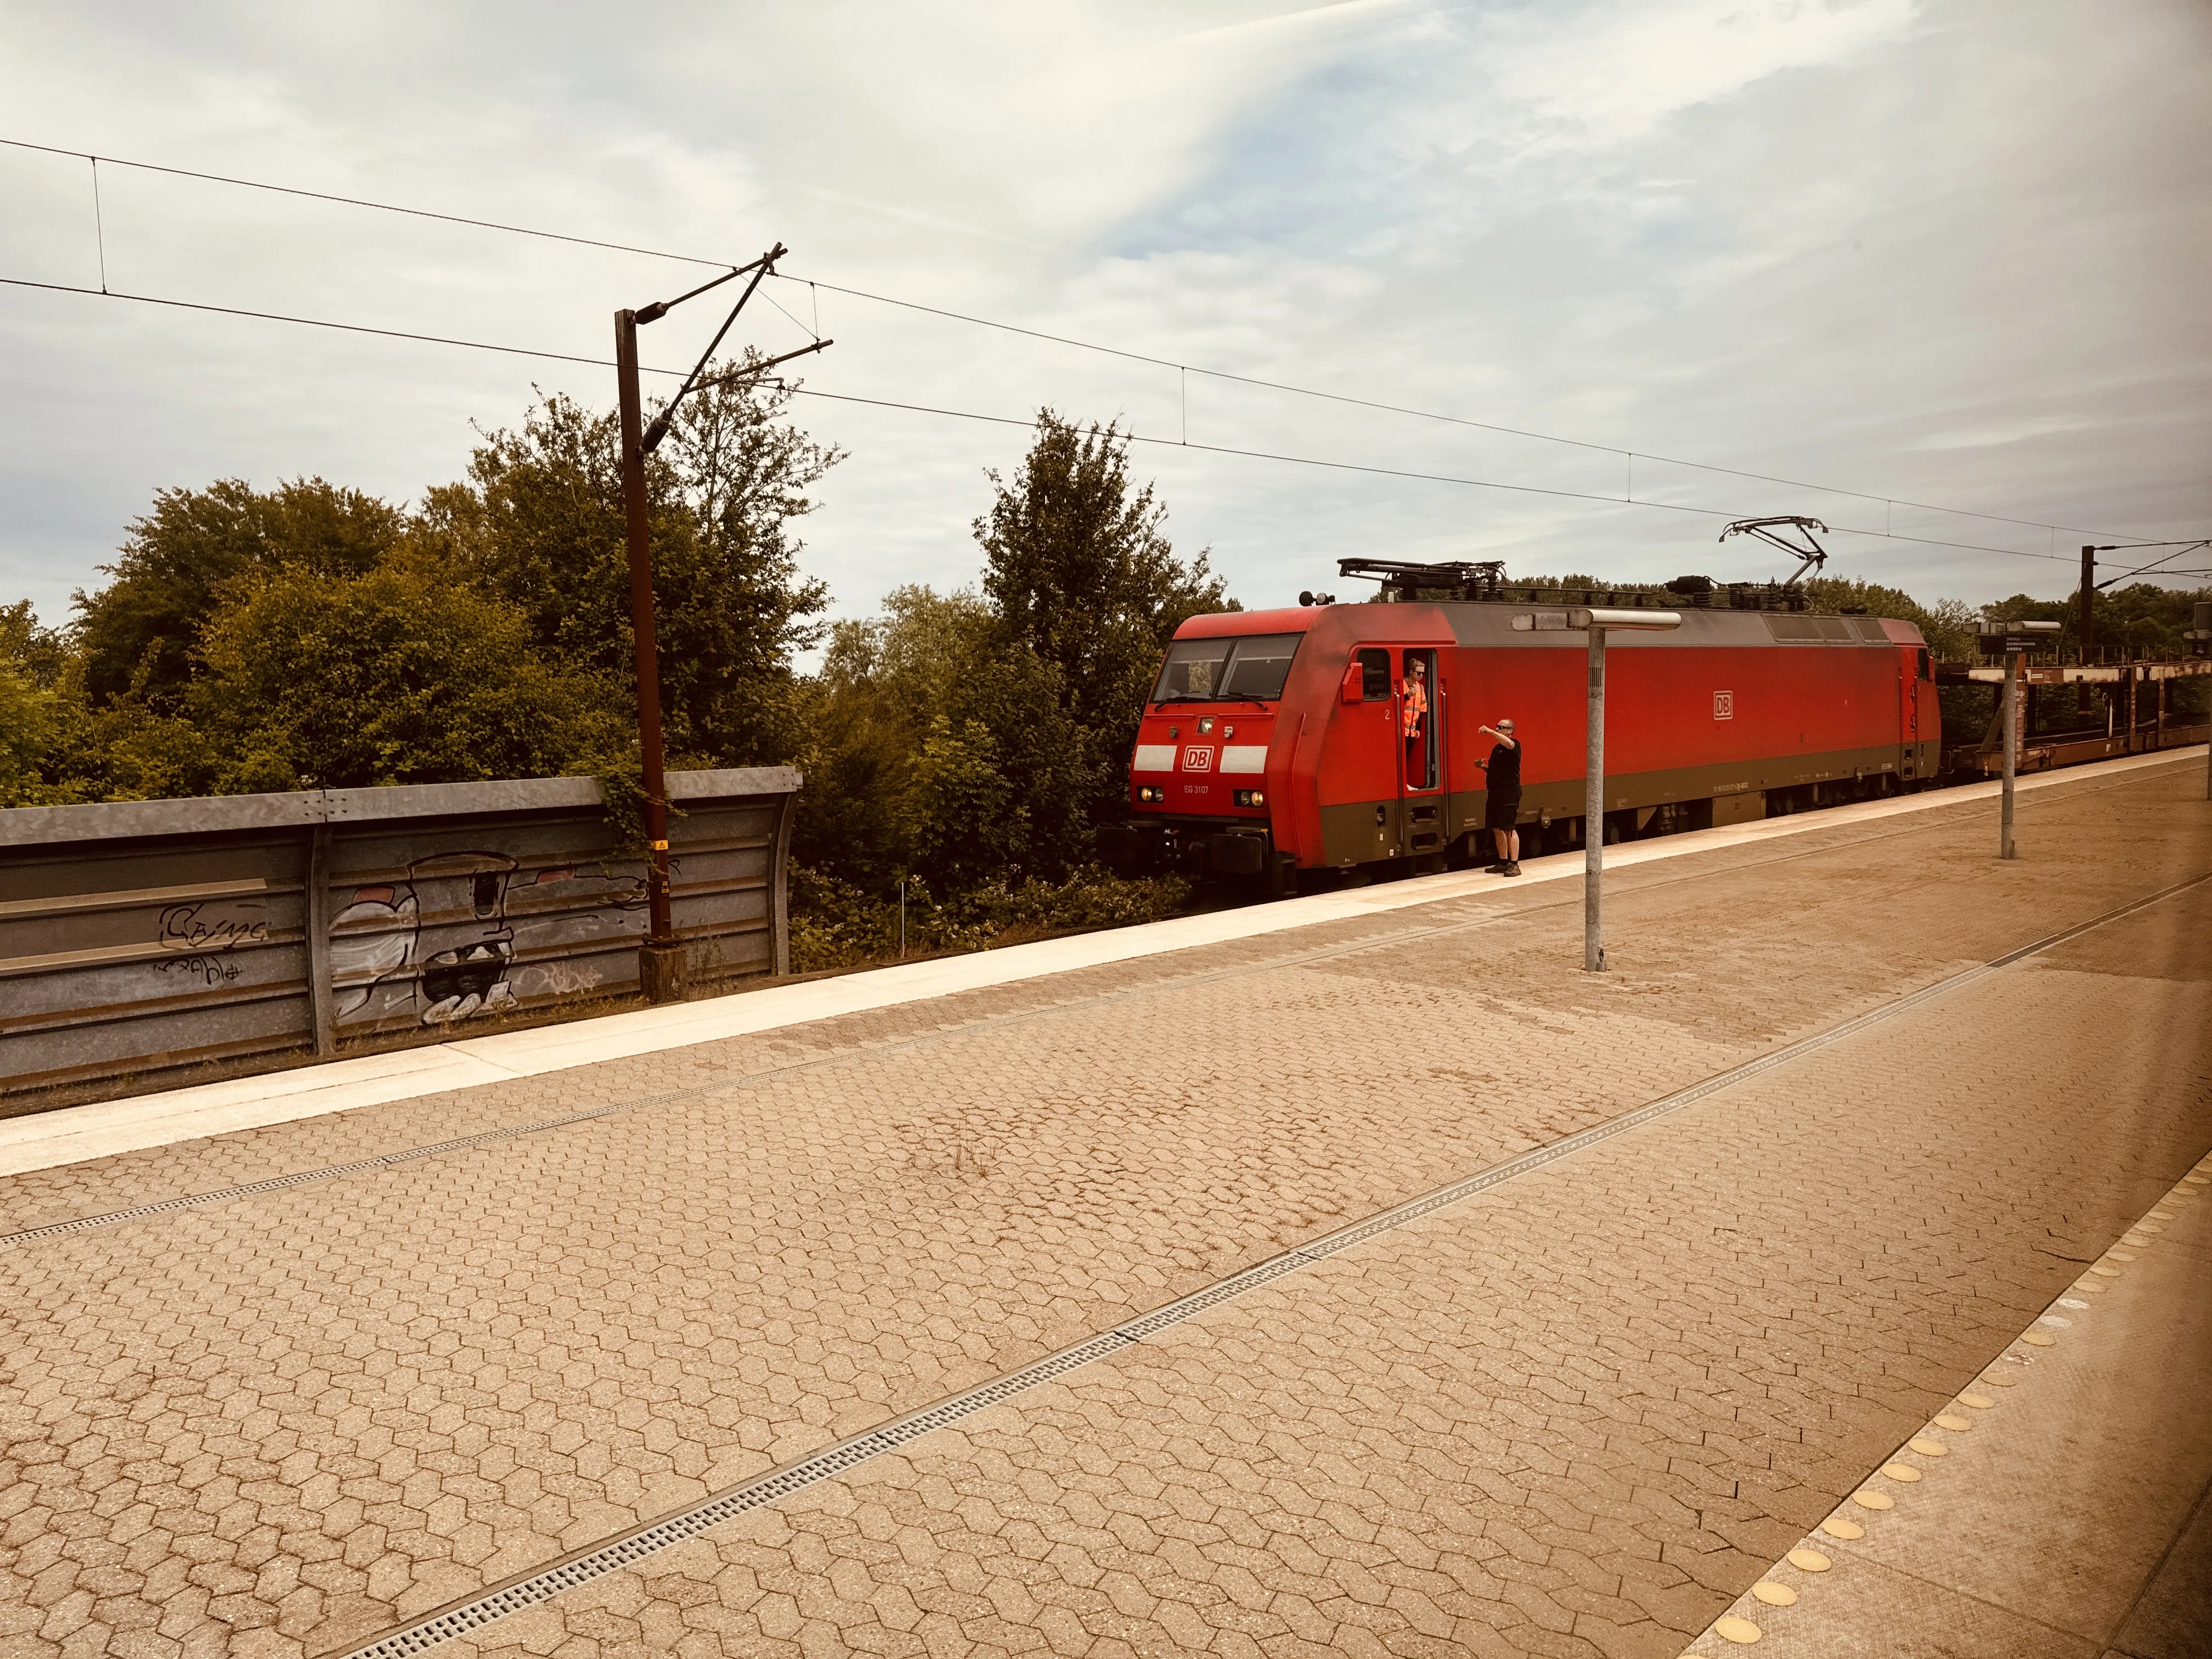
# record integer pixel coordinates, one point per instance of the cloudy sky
(1950, 253)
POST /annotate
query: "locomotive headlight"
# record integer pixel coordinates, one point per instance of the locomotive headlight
(1151, 793)
(1251, 797)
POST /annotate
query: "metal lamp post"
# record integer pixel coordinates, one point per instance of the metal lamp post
(2015, 640)
(1596, 623)
(2200, 644)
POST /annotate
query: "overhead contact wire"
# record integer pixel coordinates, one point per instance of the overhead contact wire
(1017, 421)
(1080, 345)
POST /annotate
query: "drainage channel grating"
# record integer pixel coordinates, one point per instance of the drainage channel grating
(769, 1488)
(834, 1461)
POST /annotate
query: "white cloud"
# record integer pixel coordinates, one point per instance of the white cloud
(1615, 71)
(1846, 242)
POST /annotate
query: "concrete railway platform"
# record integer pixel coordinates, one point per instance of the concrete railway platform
(1353, 1276)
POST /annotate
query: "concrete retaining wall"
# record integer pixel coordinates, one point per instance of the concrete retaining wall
(138, 936)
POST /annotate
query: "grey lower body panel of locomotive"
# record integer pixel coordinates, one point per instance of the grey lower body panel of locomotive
(1735, 792)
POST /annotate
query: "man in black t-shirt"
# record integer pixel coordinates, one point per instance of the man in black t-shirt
(1503, 770)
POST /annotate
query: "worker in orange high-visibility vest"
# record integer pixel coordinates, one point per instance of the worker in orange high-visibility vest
(1413, 717)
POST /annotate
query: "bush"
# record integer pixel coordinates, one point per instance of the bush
(835, 925)
(400, 675)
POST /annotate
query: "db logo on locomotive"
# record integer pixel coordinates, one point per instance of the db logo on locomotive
(1195, 759)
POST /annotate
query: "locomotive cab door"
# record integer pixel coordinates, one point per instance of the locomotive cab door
(1420, 711)
(1911, 675)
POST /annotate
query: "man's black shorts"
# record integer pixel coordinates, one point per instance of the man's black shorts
(1502, 811)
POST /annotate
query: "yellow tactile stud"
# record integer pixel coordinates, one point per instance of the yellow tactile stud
(1954, 1422)
(1740, 1631)
(1904, 1472)
(1774, 1594)
(1999, 1380)
(1837, 1527)
(2040, 1339)
(2119, 1256)
(2105, 1270)
(1807, 1560)
(1871, 1499)
(2087, 1285)
(1980, 1403)
(1927, 1445)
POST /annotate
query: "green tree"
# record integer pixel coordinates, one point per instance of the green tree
(400, 674)
(39, 653)
(28, 717)
(1079, 573)
(58, 748)
(540, 523)
(884, 683)
(941, 749)
(1947, 625)
(140, 633)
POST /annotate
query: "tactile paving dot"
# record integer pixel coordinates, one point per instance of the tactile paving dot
(1874, 1500)
(1999, 1380)
(2040, 1339)
(1904, 1472)
(2071, 1302)
(1954, 1422)
(1927, 1445)
(2120, 1255)
(1733, 1629)
(1837, 1527)
(1807, 1560)
(1980, 1403)
(2105, 1270)
(1774, 1594)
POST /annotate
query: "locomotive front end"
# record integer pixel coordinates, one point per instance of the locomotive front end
(1198, 792)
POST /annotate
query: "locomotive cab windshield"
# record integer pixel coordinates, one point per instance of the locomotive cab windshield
(1250, 669)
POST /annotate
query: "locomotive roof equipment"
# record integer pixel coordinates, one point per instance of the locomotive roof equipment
(1464, 579)
(1775, 532)
(1482, 581)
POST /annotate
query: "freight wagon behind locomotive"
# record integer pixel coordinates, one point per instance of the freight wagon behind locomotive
(1276, 741)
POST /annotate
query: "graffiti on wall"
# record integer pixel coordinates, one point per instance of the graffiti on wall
(456, 936)
(204, 937)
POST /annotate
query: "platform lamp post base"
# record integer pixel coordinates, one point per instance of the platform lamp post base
(661, 972)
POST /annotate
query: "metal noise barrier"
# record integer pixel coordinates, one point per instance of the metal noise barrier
(833, 1461)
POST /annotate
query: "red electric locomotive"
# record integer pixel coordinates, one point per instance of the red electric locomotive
(1276, 741)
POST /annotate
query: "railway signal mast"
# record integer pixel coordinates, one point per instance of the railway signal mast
(661, 958)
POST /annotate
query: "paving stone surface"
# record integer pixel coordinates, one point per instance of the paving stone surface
(2061, 1505)
(1568, 1417)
